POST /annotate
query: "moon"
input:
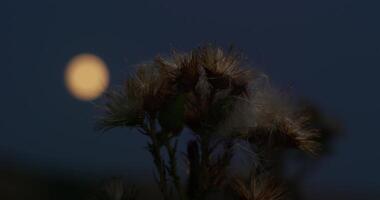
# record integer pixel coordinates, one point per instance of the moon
(86, 77)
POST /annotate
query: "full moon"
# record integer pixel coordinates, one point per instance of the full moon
(86, 77)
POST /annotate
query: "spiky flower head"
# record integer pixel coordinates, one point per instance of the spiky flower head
(224, 69)
(149, 87)
(262, 187)
(221, 76)
(142, 95)
(182, 70)
(270, 118)
(280, 124)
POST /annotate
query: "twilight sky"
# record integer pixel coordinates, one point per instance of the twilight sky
(326, 50)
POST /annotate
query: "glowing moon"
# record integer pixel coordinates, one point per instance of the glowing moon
(86, 77)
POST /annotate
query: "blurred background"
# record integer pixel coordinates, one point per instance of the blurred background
(326, 51)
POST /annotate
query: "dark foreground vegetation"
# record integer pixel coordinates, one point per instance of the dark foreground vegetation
(230, 109)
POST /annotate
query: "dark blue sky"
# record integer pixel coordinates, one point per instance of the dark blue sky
(327, 50)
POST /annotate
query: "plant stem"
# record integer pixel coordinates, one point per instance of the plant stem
(205, 164)
(173, 167)
(158, 161)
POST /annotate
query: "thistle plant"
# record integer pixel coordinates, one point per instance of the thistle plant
(227, 106)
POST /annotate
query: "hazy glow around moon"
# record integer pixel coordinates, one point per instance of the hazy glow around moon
(86, 77)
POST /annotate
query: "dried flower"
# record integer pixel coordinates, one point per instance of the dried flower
(120, 110)
(211, 92)
(267, 117)
(279, 123)
(261, 187)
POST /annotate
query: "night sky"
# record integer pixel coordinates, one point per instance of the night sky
(327, 51)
